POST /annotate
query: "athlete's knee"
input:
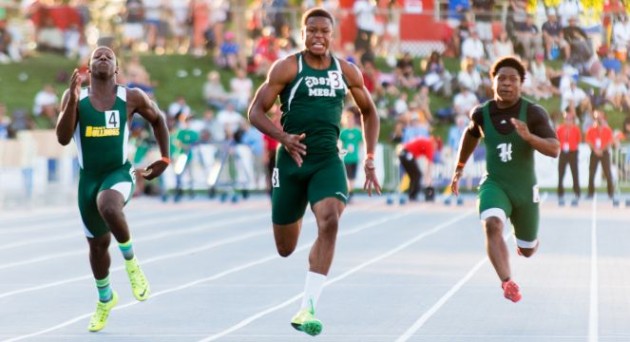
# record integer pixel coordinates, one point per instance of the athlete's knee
(284, 250)
(493, 226)
(526, 252)
(99, 245)
(328, 224)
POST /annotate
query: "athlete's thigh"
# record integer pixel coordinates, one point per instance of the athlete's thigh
(93, 223)
(525, 217)
(493, 196)
(328, 180)
(288, 198)
(122, 180)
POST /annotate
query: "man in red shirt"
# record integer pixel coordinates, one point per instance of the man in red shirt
(599, 137)
(411, 151)
(570, 137)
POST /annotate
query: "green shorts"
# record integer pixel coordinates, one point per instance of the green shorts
(122, 179)
(294, 187)
(519, 205)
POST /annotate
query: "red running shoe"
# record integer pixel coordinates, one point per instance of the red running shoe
(511, 291)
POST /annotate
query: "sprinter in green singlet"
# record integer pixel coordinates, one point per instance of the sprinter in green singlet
(312, 85)
(98, 118)
(512, 129)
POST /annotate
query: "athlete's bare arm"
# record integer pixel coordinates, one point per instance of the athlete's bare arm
(466, 147)
(547, 146)
(139, 102)
(68, 118)
(369, 121)
(280, 75)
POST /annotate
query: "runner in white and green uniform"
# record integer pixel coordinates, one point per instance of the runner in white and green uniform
(312, 85)
(98, 118)
(512, 129)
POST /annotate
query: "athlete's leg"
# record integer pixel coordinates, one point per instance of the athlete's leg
(496, 247)
(327, 213)
(286, 237)
(110, 205)
(99, 255)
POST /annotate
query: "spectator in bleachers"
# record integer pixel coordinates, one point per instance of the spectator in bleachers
(137, 75)
(501, 46)
(422, 100)
(180, 109)
(611, 62)
(418, 124)
(50, 37)
(5, 43)
(469, 77)
(46, 104)
(457, 12)
(542, 76)
(569, 9)
(621, 35)
(552, 36)
(365, 18)
(200, 19)
(473, 48)
(179, 25)
(219, 12)
(575, 97)
(617, 94)
(483, 9)
(230, 120)
(154, 25)
(133, 29)
(405, 73)
(212, 128)
(580, 49)
(5, 122)
(463, 102)
(241, 88)
(528, 37)
(213, 91)
(436, 77)
(371, 79)
(228, 52)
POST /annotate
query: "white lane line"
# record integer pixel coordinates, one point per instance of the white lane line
(154, 259)
(507, 234)
(165, 234)
(429, 313)
(78, 233)
(203, 280)
(342, 276)
(593, 312)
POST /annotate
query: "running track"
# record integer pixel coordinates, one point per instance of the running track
(401, 273)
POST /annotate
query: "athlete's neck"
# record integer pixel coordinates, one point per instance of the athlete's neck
(502, 104)
(320, 62)
(102, 87)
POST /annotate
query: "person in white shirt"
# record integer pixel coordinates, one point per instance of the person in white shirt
(469, 77)
(621, 34)
(577, 98)
(364, 12)
(464, 101)
(179, 109)
(230, 120)
(46, 103)
(241, 88)
(617, 93)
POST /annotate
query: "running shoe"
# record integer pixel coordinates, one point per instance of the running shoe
(305, 321)
(99, 318)
(511, 290)
(139, 284)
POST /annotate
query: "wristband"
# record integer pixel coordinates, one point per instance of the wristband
(167, 160)
(460, 164)
(369, 156)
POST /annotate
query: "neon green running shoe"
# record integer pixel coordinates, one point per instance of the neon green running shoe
(305, 321)
(99, 318)
(139, 284)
